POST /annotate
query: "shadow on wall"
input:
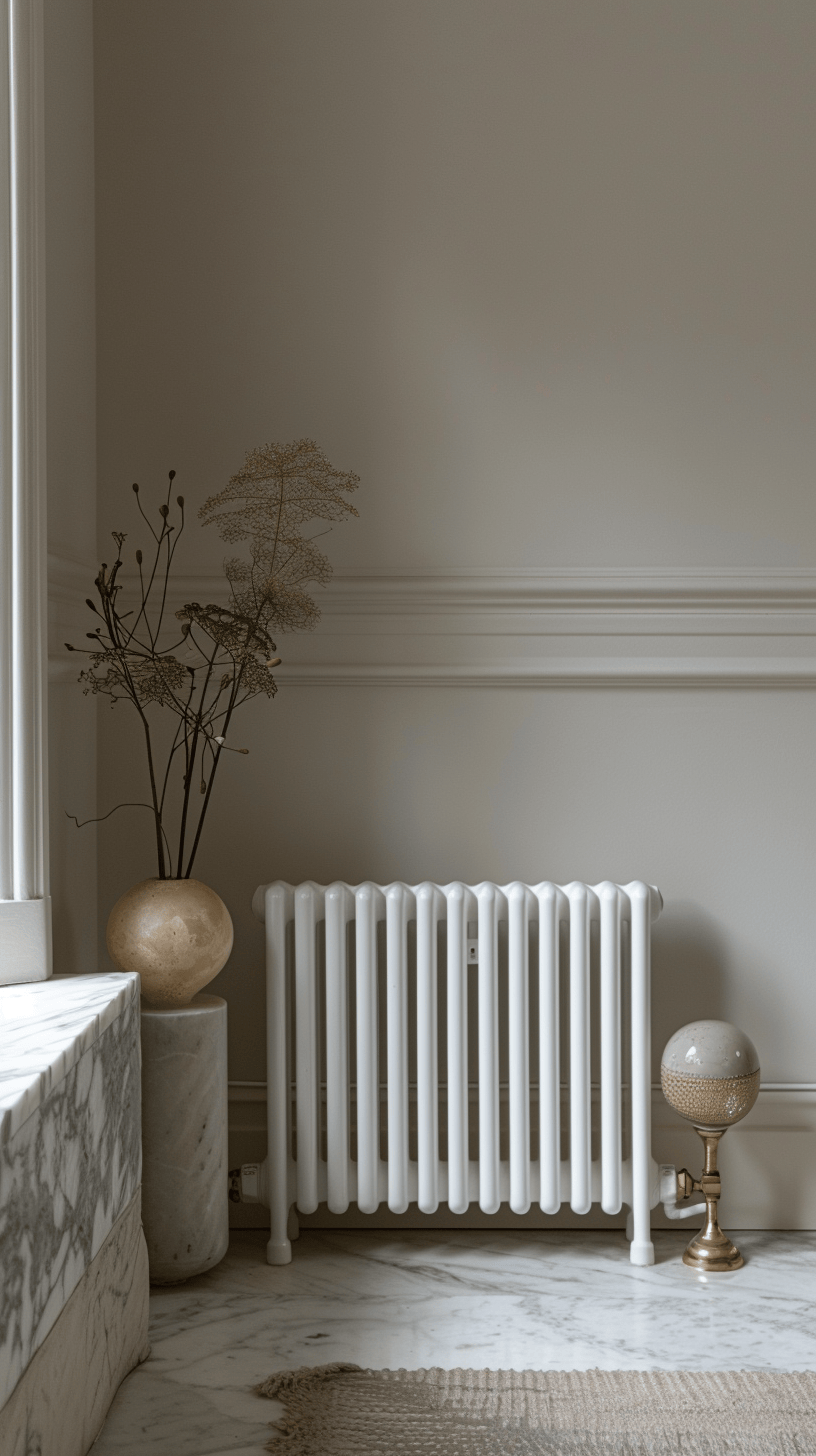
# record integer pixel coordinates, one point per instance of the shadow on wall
(689, 972)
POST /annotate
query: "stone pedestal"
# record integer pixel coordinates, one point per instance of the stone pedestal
(185, 1204)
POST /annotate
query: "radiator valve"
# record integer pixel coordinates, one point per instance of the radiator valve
(247, 1184)
(675, 1188)
(685, 1184)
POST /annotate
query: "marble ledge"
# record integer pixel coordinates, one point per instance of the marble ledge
(45, 1029)
(60, 1401)
(73, 1165)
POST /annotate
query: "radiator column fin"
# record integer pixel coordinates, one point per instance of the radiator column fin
(580, 1091)
(611, 1148)
(427, 914)
(489, 1185)
(458, 900)
(339, 909)
(642, 1250)
(397, 900)
(367, 904)
(518, 944)
(549, 1073)
(307, 1060)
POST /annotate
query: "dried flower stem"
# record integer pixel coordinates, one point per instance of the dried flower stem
(280, 488)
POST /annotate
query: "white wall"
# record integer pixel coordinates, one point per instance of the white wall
(71, 466)
(542, 273)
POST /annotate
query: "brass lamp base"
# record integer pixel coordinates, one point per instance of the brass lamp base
(711, 1251)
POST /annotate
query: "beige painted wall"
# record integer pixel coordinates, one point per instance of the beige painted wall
(542, 273)
(71, 465)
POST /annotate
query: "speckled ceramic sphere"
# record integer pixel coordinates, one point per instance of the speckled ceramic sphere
(710, 1073)
(176, 933)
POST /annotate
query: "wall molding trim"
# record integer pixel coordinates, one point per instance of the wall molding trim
(559, 627)
(578, 672)
(512, 590)
(70, 583)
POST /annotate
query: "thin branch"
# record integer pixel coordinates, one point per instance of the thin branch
(128, 804)
(267, 503)
(170, 554)
(188, 782)
(141, 511)
(100, 819)
(217, 755)
(173, 751)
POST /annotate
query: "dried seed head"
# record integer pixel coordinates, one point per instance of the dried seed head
(135, 487)
(139, 557)
(180, 501)
(172, 475)
(164, 511)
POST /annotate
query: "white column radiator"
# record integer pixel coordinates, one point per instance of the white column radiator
(496, 1020)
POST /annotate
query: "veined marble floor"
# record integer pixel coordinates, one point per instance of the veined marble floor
(506, 1300)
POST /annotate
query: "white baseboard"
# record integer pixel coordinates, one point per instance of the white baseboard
(768, 1165)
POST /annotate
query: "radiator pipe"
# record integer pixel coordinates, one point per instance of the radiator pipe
(250, 1184)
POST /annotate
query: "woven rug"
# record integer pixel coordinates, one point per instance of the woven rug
(342, 1410)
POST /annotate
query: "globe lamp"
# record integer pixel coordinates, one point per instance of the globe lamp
(710, 1075)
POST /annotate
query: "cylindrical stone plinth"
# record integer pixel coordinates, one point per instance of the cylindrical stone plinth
(185, 1205)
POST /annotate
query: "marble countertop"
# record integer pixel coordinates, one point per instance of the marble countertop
(45, 1027)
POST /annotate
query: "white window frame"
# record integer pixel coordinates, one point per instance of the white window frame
(25, 906)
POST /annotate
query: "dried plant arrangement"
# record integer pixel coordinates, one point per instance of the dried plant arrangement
(227, 651)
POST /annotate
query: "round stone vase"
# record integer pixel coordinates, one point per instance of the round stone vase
(176, 933)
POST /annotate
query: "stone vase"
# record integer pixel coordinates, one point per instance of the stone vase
(176, 933)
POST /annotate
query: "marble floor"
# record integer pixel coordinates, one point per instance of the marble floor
(509, 1299)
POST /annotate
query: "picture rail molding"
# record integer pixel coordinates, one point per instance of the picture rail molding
(557, 627)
